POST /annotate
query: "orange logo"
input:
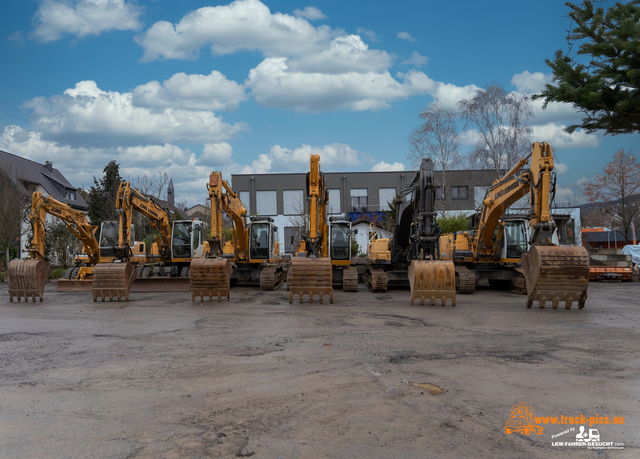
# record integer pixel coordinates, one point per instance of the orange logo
(521, 421)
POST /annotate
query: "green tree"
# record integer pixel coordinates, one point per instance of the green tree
(602, 79)
(453, 222)
(103, 193)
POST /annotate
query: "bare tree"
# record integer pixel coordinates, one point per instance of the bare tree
(300, 221)
(500, 118)
(14, 207)
(437, 137)
(617, 189)
(154, 186)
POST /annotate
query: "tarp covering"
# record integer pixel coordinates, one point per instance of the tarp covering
(634, 251)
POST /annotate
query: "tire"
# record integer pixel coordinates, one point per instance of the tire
(67, 273)
(145, 272)
(74, 273)
(184, 272)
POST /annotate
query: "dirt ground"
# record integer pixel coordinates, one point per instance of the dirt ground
(369, 376)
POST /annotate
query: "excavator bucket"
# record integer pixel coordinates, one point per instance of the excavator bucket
(310, 276)
(431, 279)
(112, 280)
(556, 274)
(210, 277)
(26, 279)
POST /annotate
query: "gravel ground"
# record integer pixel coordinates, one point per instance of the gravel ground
(368, 376)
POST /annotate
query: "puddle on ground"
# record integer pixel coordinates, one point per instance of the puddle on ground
(431, 388)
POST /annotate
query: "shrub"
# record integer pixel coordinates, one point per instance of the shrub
(453, 222)
(57, 273)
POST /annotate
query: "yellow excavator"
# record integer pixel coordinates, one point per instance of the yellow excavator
(501, 250)
(324, 255)
(413, 256)
(166, 267)
(252, 254)
(26, 278)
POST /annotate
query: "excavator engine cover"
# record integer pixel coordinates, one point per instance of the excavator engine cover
(556, 274)
(210, 277)
(311, 276)
(26, 279)
(112, 280)
(431, 279)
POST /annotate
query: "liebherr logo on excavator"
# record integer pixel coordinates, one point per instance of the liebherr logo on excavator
(506, 190)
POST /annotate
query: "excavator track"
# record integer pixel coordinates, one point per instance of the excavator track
(311, 276)
(350, 279)
(465, 280)
(376, 280)
(271, 277)
(112, 280)
(556, 274)
(27, 278)
(432, 279)
(210, 277)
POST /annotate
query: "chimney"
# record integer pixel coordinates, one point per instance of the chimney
(49, 166)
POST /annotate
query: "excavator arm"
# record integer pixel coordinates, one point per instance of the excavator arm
(538, 182)
(225, 200)
(130, 199)
(317, 195)
(27, 278)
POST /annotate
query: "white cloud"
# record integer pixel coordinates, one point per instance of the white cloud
(416, 59)
(405, 36)
(384, 166)
(243, 24)
(560, 168)
(83, 17)
(310, 12)
(566, 195)
(215, 154)
(531, 83)
(191, 92)
(347, 53)
(582, 182)
(273, 84)
(559, 139)
(89, 116)
(370, 34)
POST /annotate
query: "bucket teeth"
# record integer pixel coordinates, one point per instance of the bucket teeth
(112, 280)
(27, 278)
(311, 276)
(556, 274)
(210, 277)
(432, 279)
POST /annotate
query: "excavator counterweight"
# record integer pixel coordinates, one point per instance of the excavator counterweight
(27, 278)
(554, 274)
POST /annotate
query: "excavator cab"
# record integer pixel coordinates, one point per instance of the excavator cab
(516, 239)
(340, 240)
(261, 240)
(186, 240)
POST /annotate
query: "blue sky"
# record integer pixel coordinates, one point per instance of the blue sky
(190, 86)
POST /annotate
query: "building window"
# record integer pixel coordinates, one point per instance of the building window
(459, 192)
(439, 193)
(293, 202)
(266, 203)
(386, 196)
(359, 202)
(70, 195)
(245, 198)
(334, 201)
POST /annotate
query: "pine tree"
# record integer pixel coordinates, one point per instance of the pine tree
(603, 79)
(103, 193)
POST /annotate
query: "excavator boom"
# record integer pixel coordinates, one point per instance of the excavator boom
(27, 278)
